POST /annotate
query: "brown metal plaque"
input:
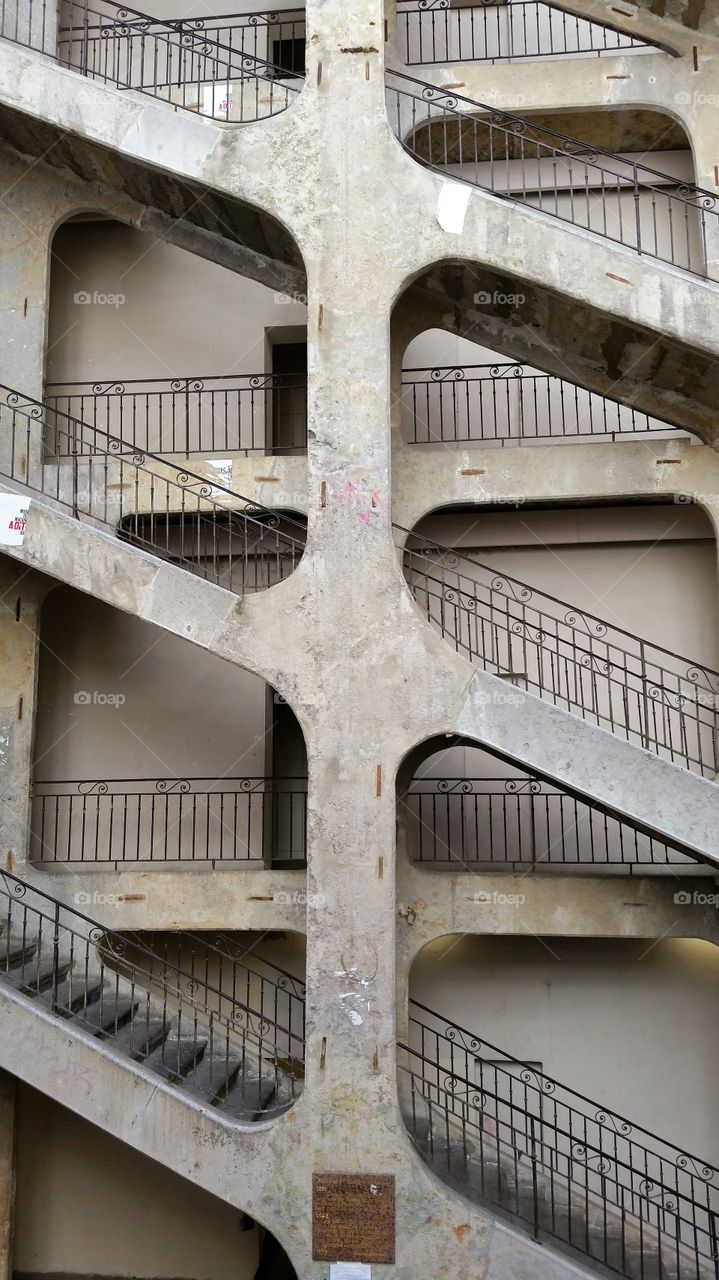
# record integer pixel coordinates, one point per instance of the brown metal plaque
(353, 1217)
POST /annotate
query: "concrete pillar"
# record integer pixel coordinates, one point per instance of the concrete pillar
(20, 597)
(7, 1172)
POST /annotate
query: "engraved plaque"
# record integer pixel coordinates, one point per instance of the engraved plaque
(353, 1217)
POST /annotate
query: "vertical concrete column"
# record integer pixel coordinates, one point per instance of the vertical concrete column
(700, 101)
(21, 593)
(7, 1172)
(27, 217)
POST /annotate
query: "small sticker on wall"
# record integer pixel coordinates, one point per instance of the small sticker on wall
(223, 471)
(350, 1271)
(13, 519)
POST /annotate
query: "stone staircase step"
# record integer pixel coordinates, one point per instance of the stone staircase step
(16, 950)
(249, 1097)
(174, 1059)
(214, 1077)
(106, 1015)
(142, 1036)
(77, 992)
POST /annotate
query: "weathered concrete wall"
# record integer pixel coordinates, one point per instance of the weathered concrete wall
(7, 1174)
(342, 639)
(90, 1205)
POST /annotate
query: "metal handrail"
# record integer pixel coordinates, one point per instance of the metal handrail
(178, 514)
(230, 413)
(115, 944)
(124, 822)
(495, 1124)
(448, 404)
(160, 57)
(599, 671)
(463, 1037)
(480, 148)
(433, 32)
(504, 823)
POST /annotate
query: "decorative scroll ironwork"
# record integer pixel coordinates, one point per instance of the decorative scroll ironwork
(507, 403)
(125, 821)
(600, 672)
(629, 1190)
(177, 514)
(603, 193)
(243, 1026)
(508, 824)
(433, 31)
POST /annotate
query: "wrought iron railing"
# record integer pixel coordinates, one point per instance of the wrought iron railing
(622, 200)
(237, 413)
(507, 1133)
(431, 31)
(209, 1016)
(508, 404)
(218, 67)
(125, 821)
(195, 521)
(522, 824)
(542, 645)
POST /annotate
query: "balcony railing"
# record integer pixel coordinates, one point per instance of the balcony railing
(239, 413)
(504, 1132)
(195, 521)
(208, 1017)
(522, 824)
(123, 822)
(431, 31)
(541, 645)
(506, 404)
(218, 67)
(654, 213)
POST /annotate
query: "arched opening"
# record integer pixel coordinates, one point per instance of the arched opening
(168, 352)
(539, 1075)
(152, 450)
(88, 1204)
(462, 808)
(562, 165)
(138, 763)
(456, 392)
(570, 604)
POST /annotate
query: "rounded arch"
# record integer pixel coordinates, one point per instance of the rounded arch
(463, 807)
(545, 330)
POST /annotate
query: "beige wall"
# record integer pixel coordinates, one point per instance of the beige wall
(182, 315)
(648, 569)
(87, 1205)
(185, 711)
(633, 1025)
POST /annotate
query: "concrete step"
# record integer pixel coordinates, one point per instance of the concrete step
(106, 1016)
(76, 993)
(16, 951)
(214, 1077)
(175, 1059)
(142, 1036)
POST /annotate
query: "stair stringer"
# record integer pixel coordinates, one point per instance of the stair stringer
(259, 1168)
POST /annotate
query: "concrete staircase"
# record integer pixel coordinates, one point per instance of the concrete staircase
(502, 1133)
(159, 1018)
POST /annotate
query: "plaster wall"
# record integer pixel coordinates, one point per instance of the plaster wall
(627, 1022)
(88, 1205)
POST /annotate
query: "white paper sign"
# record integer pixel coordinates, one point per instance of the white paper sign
(13, 518)
(350, 1271)
(223, 471)
(452, 206)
